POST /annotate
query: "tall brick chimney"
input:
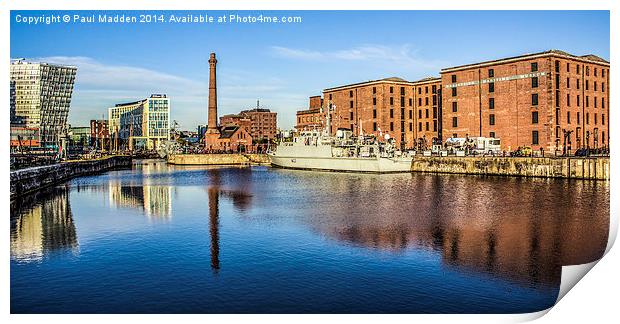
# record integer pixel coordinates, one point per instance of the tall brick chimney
(212, 125)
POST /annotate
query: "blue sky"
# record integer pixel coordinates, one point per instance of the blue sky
(284, 64)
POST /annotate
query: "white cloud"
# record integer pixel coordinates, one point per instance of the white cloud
(402, 55)
(99, 86)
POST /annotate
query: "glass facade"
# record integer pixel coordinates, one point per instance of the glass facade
(42, 97)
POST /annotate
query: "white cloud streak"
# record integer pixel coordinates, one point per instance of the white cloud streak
(402, 55)
(99, 86)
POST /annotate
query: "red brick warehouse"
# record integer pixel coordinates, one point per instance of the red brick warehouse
(550, 99)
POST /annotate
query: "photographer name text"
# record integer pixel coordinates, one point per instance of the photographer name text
(105, 18)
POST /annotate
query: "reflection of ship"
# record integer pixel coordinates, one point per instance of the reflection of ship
(42, 222)
(316, 150)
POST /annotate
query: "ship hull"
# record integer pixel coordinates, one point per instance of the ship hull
(343, 164)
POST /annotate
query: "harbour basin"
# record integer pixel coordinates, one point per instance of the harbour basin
(160, 238)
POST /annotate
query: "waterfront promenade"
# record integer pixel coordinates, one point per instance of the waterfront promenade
(31, 179)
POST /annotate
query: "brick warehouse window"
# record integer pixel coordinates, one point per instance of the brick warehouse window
(402, 91)
(391, 126)
(455, 122)
(426, 126)
(534, 67)
(402, 101)
(568, 100)
(491, 73)
(567, 67)
(578, 84)
(419, 91)
(578, 69)
(454, 78)
(426, 101)
(410, 114)
(434, 125)
(426, 113)
(391, 89)
(350, 115)
(578, 118)
(492, 134)
(454, 106)
(603, 86)
(374, 113)
(420, 114)
(419, 101)
(420, 127)
(587, 85)
(350, 104)
(534, 117)
(391, 101)
(374, 126)
(410, 102)
(587, 118)
(568, 117)
(492, 87)
(491, 103)
(453, 92)
(351, 93)
(491, 119)
(535, 82)
(578, 101)
(374, 90)
(594, 85)
(426, 89)
(411, 127)
(391, 113)
(595, 69)
(602, 119)
(557, 66)
(568, 82)
(534, 137)
(374, 101)
(534, 99)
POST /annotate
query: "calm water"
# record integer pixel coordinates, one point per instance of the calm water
(165, 239)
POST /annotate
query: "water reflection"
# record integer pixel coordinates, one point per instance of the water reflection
(241, 201)
(265, 240)
(518, 229)
(42, 223)
(146, 192)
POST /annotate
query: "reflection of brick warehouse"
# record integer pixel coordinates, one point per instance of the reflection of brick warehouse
(530, 100)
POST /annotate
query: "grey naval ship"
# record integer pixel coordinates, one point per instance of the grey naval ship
(318, 150)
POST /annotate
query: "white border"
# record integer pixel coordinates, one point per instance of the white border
(595, 298)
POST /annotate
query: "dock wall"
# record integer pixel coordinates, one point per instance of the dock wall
(31, 179)
(218, 159)
(553, 167)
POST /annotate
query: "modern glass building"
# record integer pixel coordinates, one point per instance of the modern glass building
(141, 124)
(42, 97)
